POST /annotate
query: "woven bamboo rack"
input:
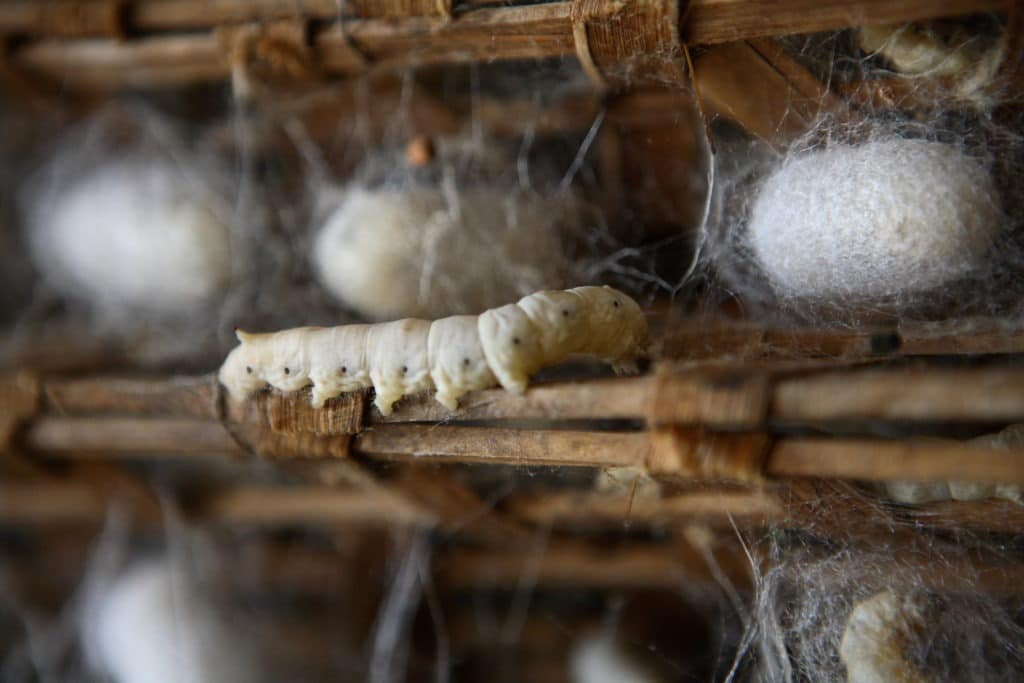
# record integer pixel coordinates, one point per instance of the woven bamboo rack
(734, 430)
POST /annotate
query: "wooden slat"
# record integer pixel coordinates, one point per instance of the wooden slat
(144, 63)
(723, 21)
(97, 437)
(50, 502)
(920, 393)
(479, 34)
(764, 90)
(488, 34)
(579, 566)
(172, 397)
(506, 446)
(719, 508)
(733, 396)
(877, 460)
(307, 505)
(167, 15)
(705, 21)
(620, 398)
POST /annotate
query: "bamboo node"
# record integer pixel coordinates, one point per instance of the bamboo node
(83, 18)
(19, 401)
(268, 57)
(695, 453)
(626, 44)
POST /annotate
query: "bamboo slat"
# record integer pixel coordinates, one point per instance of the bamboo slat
(877, 460)
(110, 437)
(307, 505)
(506, 446)
(477, 34)
(704, 21)
(916, 393)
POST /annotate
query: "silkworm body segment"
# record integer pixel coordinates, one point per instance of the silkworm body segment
(452, 356)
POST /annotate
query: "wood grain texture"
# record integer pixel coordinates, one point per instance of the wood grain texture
(111, 437)
(477, 34)
(619, 398)
(182, 396)
(878, 460)
(507, 446)
(723, 21)
(914, 394)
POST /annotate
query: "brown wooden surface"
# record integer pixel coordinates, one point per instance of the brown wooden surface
(757, 85)
(878, 460)
(588, 509)
(904, 394)
(310, 506)
(111, 437)
(475, 35)
(722, 21)
(704, 22)
(506, 446)
(195, 397)
(619, 398)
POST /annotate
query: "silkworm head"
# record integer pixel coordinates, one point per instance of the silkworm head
(243, 370)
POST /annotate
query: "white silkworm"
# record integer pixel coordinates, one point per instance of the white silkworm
(457, 361)
(453, 356)
(397, 353)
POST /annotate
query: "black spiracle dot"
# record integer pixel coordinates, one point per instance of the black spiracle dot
(248, 369)
(287, 371)
(565, 313)
(343, 369)
(404, 369)
(465, 361)
(515, 340)
(615, 303)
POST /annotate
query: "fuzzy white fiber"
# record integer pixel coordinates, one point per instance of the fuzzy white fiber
(878, 221)
(134, 235)
(598, 658)
(389, 253)
(152, 625)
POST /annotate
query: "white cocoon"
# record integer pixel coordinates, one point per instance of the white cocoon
(133, 235)
(391, 253)
(879, 220)
(153, 626)
(598, 658)
(877, 636)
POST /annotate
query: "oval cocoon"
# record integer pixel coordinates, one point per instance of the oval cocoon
(875, 221)
(133, 234)
(391, 253)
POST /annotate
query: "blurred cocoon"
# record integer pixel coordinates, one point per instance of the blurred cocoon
(390, 252)
(136, 235)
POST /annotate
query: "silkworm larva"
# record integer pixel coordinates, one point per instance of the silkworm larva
(242, 371)
(337, 361)
(511, 344)
(616, 329)
(289, 363)
(561, 320)
(505, 345)
(457, 361)
(397, 354)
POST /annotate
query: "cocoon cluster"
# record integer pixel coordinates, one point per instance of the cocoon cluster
(453, 355)
(874, 222)
(136, 234)
(394, 252)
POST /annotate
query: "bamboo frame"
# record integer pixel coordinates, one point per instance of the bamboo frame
(475, 34)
